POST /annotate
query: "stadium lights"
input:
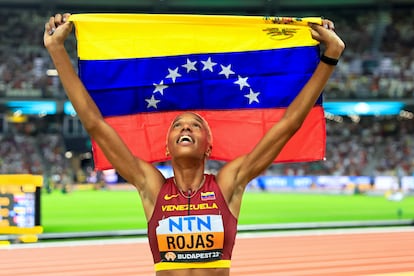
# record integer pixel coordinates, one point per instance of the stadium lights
(68, 154)
(355, 118)
(406, 114)
(27, 107)
(373, 108)
(332, 117)
(52, 73)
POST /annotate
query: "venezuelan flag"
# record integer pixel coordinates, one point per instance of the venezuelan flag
(239, 72)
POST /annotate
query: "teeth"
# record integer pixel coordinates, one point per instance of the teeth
(185, 138)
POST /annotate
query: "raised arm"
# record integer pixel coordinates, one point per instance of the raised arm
(132, 169)
(234, 177)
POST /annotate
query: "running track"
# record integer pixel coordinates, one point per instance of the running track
(388, 251)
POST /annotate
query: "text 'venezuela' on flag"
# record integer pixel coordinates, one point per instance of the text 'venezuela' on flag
(239, 72)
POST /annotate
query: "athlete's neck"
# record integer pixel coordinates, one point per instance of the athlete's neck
(189, 186)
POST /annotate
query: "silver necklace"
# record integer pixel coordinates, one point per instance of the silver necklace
(195, 192)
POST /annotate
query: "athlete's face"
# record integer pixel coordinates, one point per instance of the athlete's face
(189, 134)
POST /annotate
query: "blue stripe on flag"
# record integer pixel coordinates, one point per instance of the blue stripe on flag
(254, 79)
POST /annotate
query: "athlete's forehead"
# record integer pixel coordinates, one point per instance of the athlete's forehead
(190, 115)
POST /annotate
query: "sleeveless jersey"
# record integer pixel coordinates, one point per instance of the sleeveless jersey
(196, 231)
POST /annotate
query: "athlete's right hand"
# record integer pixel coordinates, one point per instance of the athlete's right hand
(57, 30)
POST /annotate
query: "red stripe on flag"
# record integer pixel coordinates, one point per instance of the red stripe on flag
(235, 132)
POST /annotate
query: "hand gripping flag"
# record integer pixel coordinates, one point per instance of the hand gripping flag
(238, 72)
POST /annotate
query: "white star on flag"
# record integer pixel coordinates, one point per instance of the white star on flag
(242, 82)
(190, 65)
(160, 87)
(152, 102)
(173, 74)
(208, 64)
(252, 96)
(225, 70)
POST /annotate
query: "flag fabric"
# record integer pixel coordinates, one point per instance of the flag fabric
(238, 72)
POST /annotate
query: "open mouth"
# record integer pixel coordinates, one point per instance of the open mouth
(185, 139)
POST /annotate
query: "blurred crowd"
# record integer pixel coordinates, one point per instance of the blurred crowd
(378, 64)
(371, 147)
(23, 59)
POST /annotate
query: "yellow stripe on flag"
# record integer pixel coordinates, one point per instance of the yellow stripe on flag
(118, 36)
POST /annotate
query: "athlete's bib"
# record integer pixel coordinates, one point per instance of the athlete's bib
(191, 238)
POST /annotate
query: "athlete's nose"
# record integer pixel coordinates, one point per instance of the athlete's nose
(186, 126)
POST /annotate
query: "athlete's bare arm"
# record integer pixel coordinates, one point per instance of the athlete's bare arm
(134, 170)
(234, 177)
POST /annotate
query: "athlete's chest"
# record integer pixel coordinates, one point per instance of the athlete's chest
(203, 202)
